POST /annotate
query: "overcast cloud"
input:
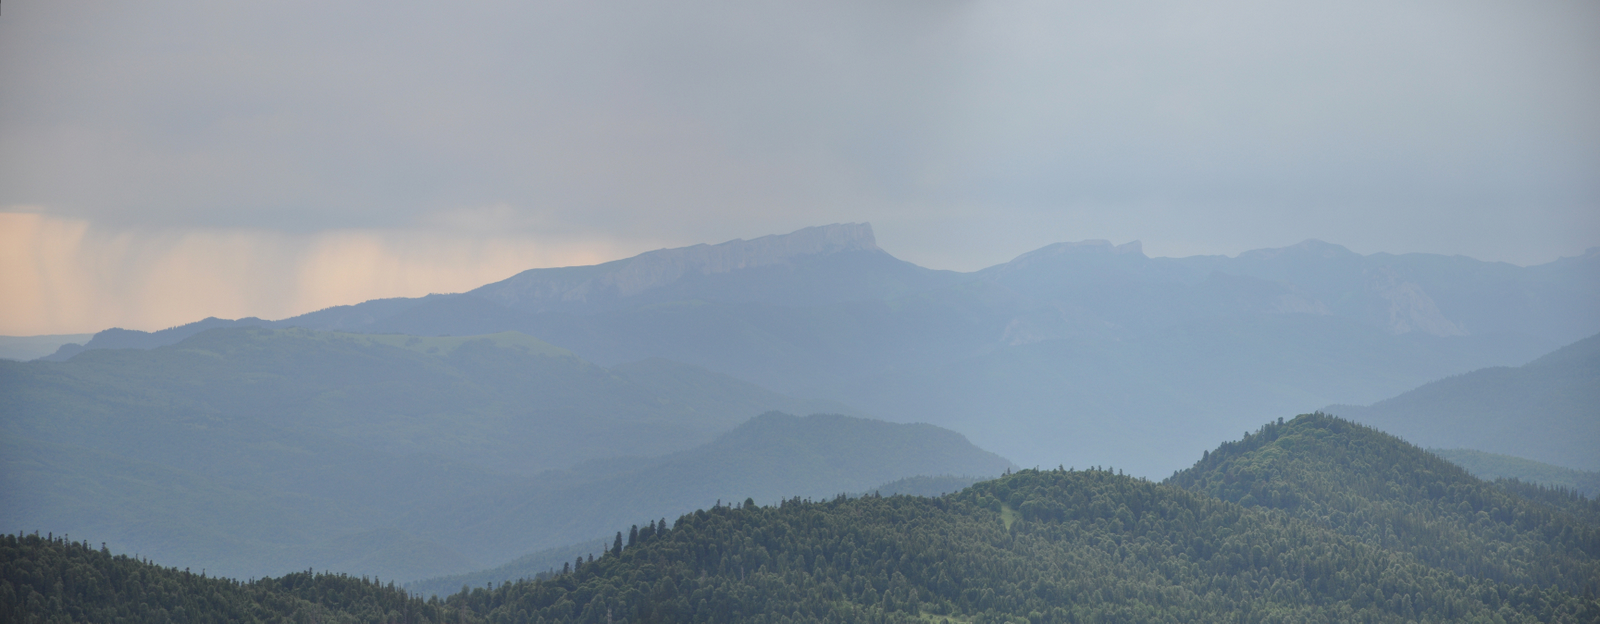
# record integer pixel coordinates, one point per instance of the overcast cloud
(966, 132)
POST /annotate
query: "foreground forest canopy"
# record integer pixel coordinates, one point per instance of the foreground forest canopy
(1256, 531)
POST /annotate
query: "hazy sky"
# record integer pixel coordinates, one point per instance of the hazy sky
(163, 161)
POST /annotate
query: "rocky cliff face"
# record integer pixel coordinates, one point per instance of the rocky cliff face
(539, 288)
(1409, 307)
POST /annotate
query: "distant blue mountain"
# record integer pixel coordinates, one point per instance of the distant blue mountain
(1075, 352)
(1546, 410)
(252, 451)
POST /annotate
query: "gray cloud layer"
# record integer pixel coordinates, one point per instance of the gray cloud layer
(967, 132)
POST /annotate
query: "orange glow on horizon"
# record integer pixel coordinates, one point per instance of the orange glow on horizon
(60, 276)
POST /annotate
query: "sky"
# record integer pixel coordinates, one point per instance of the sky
(165, 161)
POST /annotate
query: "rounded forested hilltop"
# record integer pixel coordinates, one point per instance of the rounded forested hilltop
(1362, 482)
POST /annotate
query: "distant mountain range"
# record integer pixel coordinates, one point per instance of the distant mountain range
(253, 451)
(504, 402)
(1080, 352)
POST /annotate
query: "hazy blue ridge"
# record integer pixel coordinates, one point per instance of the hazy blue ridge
(254, 451)
(24, 348)
(337, 447)
(772, 457)
(1545, 410)
(1491, 466)
(1033, 357)
(1145, 402)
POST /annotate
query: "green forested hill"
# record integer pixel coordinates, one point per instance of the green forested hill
(50, 579)
(1078, 546)
(1373, 486)
(1051, 546)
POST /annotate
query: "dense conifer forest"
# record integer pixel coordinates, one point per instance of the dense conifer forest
(51, 579)
(1312, 520)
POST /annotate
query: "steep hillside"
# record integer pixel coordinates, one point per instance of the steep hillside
(1375, 487)
(1544, 410)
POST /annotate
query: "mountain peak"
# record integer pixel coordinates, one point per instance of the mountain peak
(651, 269)
(1310, 247)
(1092, 246)
(654, 269)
